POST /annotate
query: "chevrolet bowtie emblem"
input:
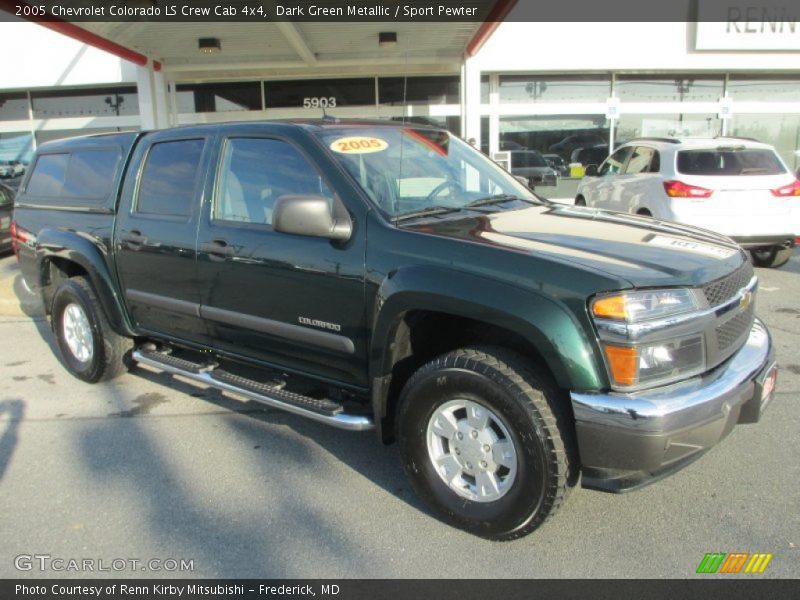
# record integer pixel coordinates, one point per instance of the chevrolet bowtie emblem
(745, 301)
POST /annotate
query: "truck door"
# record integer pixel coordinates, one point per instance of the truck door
(288, 300)
(155, 234)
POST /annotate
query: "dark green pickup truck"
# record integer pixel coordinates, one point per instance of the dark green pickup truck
(389, 276)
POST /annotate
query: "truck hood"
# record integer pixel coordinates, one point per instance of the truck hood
(644, 251)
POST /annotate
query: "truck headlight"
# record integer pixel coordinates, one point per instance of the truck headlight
(650, 337)
(653, 364)
(644, 305)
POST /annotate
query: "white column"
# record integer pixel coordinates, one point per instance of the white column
(471, 113)
(153, 97)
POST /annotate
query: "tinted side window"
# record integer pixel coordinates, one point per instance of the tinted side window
(169, 178)
(48, 175)
(641, 161)
(616, 161)
(90, 173)
(255, 172)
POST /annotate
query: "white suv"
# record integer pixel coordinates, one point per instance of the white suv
(735, 186)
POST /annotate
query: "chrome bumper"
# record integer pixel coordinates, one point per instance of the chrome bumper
(628, 440)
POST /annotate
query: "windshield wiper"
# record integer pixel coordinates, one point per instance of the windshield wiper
(426, 212)
(496, 199)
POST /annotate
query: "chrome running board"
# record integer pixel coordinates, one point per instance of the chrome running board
(272, 394)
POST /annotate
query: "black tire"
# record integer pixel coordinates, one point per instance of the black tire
(772, 257)
(526, 405)
(580, 201)
(108, 357)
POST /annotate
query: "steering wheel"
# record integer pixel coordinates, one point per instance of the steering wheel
(447, 183)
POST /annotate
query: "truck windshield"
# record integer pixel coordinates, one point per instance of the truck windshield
(415, 171)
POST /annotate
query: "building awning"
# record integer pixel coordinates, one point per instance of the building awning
(289, 48)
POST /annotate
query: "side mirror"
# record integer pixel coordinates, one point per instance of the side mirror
(310, 215)
(591, 171)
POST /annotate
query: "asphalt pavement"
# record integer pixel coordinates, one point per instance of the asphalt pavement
(148, 468)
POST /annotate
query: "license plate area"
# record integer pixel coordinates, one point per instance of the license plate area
(768, 386)
(763, 393)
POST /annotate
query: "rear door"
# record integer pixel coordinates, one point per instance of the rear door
(156, 233)
(288, 300)
(602, 191)
(636, 186)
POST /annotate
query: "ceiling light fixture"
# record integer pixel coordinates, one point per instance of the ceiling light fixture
(387, 39)
(209, 45)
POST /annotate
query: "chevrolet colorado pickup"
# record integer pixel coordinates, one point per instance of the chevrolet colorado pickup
(387, 276)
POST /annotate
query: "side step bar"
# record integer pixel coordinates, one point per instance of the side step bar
(322, 410)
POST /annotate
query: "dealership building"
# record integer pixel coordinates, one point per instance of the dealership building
(572, 89)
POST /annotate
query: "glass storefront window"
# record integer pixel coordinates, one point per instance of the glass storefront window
(779, 130)
(95, 102)
(561, 140)
(395, 91)
(669, 88)
(13, 107)
(16, 146)
(631, 126)
(765, 89)
(523, 89)
(484, 135)
(319, 93)
(564, 135)
(218, 97)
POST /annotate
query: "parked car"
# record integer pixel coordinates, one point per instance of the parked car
(6, 208)
(390, 276)
(11, 168)
(738, 187)
(578, 140)
(532, 165)
(557, 163)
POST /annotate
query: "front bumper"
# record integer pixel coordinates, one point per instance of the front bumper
(763, 241)
(629, 440)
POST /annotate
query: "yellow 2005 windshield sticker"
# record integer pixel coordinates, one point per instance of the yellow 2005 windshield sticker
(358, 145)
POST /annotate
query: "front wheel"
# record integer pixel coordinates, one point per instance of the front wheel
(91, 349)
(771, 257)
(484, 443)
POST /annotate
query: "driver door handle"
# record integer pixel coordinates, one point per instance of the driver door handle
(133, 239)
(218, 250)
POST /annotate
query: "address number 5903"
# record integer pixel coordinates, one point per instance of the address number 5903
(319, 102)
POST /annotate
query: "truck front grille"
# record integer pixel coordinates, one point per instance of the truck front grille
(734, 330)
(719, 291)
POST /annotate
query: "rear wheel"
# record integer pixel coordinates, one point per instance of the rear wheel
(483, 443)
(580, 201)
(772, 257)
(91, 349)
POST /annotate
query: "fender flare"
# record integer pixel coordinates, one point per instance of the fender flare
(92, 258)
(550, 327)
